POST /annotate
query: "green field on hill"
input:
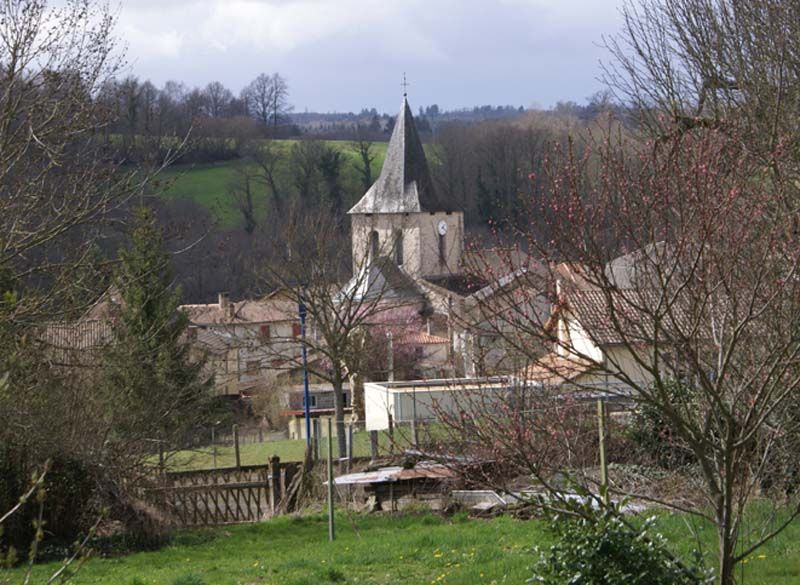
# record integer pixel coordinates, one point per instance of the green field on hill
(208, 184)
(377, 549)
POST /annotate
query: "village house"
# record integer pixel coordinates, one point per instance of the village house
(249, 345)
(321, 409)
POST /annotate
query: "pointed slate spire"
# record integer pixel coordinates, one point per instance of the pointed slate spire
(404, 185)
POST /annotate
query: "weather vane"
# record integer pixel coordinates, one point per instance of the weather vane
(405, 85)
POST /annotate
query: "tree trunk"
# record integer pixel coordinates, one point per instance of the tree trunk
(338, 401)
(357, 395)
(727, 542)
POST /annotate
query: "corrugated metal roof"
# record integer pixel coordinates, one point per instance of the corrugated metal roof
(423, 470)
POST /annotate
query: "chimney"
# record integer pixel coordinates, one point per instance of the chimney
(226, 305)
(224, 301)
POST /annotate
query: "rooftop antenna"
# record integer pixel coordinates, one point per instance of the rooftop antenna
(405, 85)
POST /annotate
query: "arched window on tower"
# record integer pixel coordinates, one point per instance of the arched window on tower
(374, 245)
(398, 247)
(442, 249)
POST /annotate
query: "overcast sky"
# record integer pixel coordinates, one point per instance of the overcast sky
(342, 55)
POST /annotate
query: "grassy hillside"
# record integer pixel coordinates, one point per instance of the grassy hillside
(378, 549)
(208, 184)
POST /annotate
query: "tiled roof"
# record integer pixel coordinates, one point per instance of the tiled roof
(213, 341)
(553, 369)
(404, 185)
(247, 311)
(85, 334)
(461, 284)
(422, 338)
(627, 315)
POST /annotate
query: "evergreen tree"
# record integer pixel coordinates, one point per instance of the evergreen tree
(157, 392)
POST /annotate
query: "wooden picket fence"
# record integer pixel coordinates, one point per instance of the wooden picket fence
(210, 497)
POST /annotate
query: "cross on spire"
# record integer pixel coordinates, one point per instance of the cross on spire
(405, 85)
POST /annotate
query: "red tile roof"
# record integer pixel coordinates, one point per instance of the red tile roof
(422, 338)
(553, 369)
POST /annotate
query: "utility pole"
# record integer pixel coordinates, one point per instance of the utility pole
(302, 311)
(331, 527)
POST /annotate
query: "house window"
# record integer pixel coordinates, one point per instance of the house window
(398, 247)
(297, 331)
(346, 399)
(419, 352)
(313, 400)
(442, 249)
(374, 243)
(264, 332)
(252, 366)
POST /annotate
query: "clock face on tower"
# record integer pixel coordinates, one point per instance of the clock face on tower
(442, 227)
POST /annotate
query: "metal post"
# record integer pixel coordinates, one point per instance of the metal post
(601, 428)
(275, 482)
(236, 445)
(301, 309)
(391, 434)
(373, 445)
(414, 435)
(349, 443)
(315, 443)
(331, 528)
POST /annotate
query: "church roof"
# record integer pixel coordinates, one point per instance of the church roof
(382, 279)
(404, 185)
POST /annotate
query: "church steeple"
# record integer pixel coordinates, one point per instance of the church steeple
(404, 185)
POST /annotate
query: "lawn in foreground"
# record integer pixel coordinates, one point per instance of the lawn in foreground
(381, 549)
(376, 549)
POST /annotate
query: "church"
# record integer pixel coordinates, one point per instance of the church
(407, 242)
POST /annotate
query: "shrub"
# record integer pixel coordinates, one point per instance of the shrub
(600, 549)
(655, 435)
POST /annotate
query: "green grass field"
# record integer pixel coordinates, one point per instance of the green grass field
(259, 453)
(375, 549)
(208, 184)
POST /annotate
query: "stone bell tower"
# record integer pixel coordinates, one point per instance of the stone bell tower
(401, 217)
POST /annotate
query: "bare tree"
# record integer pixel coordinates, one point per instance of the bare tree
(310, 264)
(694, 65)
(279, 104)
(364, 148)
(669, 266)
(267, 99)
(59, 187)
(242, 189)
(217, 98)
